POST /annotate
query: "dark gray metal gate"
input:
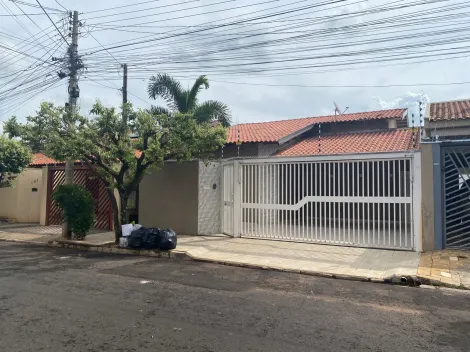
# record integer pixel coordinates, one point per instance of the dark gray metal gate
(456, 187)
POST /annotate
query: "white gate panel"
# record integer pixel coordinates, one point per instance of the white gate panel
(365, 203)
(228, 208)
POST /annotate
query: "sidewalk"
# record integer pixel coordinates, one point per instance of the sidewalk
(313, 259)
(306, 258)
(35, 233)
(448, 267)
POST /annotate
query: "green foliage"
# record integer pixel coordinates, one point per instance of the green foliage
(14, 158)
(121, 146)
(77, 206)
(184, 101)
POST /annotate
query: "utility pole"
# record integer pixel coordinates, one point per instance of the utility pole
(74, 92)
(124, 84)
(124, 92)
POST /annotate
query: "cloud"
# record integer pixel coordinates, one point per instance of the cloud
(409, 100)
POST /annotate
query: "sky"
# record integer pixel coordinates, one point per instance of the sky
(249, 64)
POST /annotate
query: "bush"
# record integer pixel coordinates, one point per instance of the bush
(77, 206)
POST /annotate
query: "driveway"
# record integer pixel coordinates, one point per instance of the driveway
(55, 299)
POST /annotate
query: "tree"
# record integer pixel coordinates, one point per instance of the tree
(121, 147)
(14, 158)
(184, 101)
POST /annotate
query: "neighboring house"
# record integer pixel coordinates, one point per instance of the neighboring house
(29, 200)
(445, 171)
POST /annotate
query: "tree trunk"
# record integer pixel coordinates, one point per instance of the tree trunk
(123, 208)
(68, 180)
(116, 218)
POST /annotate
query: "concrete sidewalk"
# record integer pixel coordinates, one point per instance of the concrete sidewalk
(449, 267)
(313, 259)
(35, 233)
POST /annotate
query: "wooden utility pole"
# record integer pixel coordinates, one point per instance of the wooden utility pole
(74, 93)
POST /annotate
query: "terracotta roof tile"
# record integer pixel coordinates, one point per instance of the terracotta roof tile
(354, 143)
(39, 159)
(450, 110)
(275, 130)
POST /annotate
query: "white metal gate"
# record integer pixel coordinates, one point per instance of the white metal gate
(228, 193)
(357, 202)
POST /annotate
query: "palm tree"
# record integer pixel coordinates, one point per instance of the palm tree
(185, 101)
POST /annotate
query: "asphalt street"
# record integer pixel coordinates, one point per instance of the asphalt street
(64, 300)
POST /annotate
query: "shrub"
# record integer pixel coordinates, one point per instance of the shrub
(77, 206)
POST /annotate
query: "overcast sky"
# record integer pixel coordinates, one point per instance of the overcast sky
(272, 96)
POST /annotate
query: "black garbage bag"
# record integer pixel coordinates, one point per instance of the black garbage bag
(167, 239)
(151, 238)
(134, 240)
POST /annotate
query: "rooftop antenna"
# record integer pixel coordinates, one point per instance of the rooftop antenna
(338, 109)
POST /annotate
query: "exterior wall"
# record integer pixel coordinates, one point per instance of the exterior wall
(19, 202)
(43, 196)
(209, 198)
(267, 149)
(428, 197)
(168, 197)
(446, 128)
(246, 150)
(8, 202)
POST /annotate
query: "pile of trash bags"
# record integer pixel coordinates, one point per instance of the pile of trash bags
(139, 237)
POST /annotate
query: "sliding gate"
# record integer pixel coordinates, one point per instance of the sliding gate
(365, 202)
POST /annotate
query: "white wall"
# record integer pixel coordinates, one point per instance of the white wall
(19, 202)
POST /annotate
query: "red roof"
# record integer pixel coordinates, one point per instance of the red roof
(449, 110)
(354, 143)
(275, 130)
(39, 159)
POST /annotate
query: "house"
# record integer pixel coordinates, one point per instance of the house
(345, 180)
(445, 171)
(268, 138)
(29, 200)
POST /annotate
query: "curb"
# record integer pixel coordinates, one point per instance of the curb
(177, 254)
(437, 283)
(99, 248)
(22, 241)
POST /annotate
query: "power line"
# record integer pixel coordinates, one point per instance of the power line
(151, 8)
(205, 29)
(58, 3)
(53, 23)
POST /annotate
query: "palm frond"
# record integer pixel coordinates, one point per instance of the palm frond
(201, 82)
(158, 110)
(168, 88)
(213, 110)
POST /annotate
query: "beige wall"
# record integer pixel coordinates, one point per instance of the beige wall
(168, 197)
(19, 202)
(427, 208)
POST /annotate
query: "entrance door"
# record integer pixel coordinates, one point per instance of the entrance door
(227, 212)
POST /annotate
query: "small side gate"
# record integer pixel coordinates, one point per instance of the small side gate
(82, 176)
(343, 200)
(227, 201)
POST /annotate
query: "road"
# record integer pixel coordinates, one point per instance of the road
(65, 300)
